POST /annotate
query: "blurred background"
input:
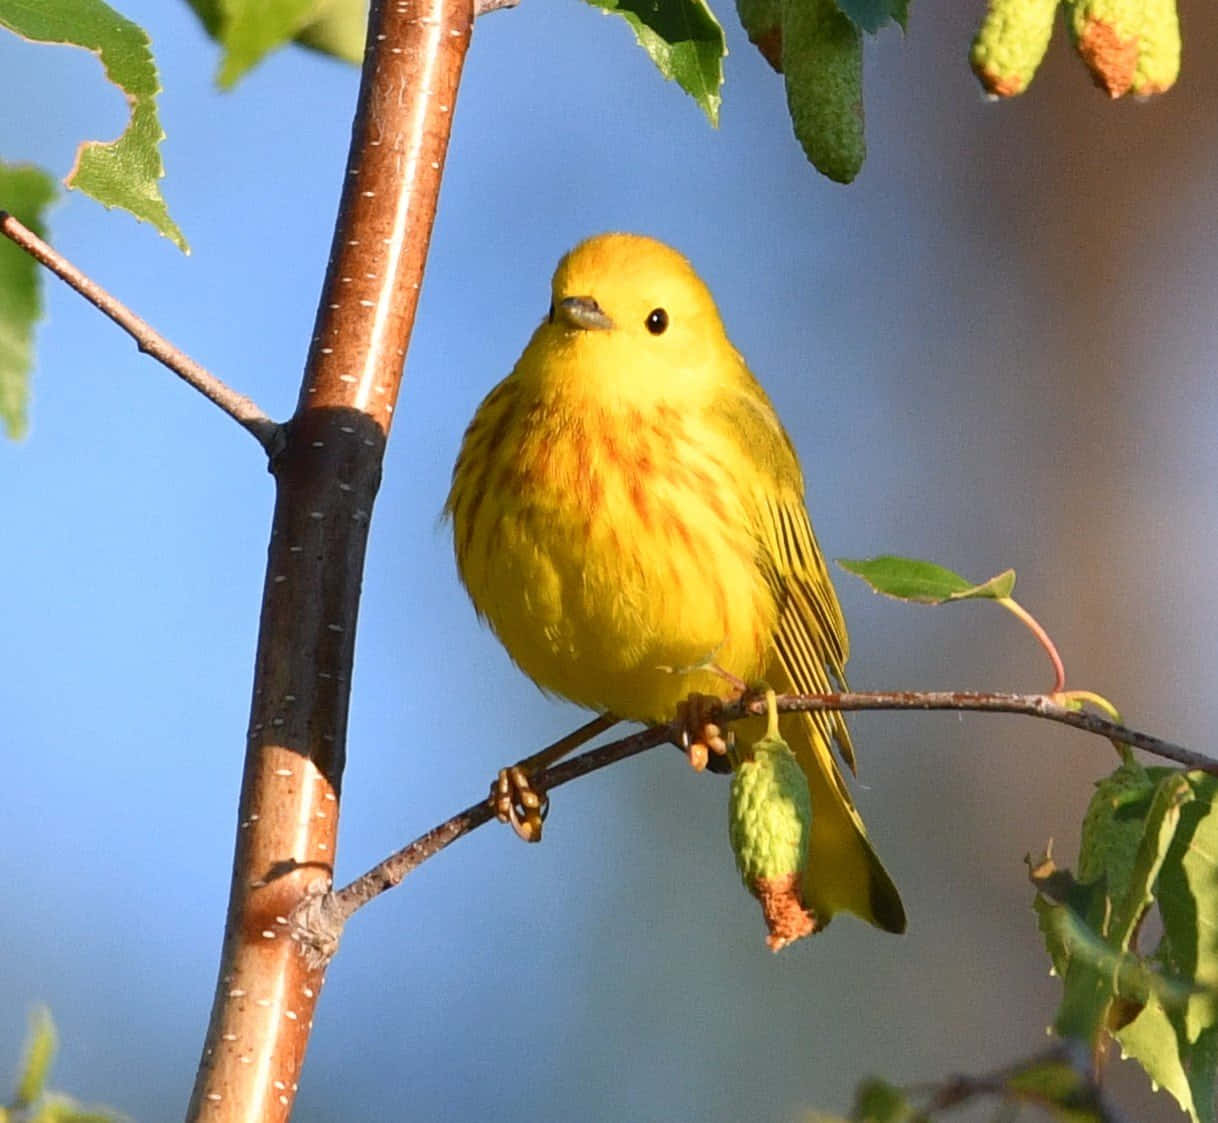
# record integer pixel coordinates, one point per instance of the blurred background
(995, 349)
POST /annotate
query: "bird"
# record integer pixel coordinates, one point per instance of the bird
(628, 515)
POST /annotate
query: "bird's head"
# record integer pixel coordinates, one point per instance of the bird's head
(636, 302)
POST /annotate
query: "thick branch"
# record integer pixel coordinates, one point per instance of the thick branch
(322, 924)
(240, 408)
(326, 478)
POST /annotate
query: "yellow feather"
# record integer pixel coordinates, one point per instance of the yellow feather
(627, 509)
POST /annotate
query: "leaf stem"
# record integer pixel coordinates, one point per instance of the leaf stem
(1097, 700)
(1042, 637)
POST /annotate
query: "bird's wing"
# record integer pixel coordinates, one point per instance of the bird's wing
(809, 650)
(810, 640)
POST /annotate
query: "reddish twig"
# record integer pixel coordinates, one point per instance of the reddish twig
(240, 408)
(1042, 637)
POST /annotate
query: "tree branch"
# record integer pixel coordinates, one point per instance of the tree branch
(241, 409)
(1033, 705)
(318, 923)
(1033, 1080)
(326, 481)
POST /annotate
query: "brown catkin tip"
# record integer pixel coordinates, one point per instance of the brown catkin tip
(1111, 59)
(1107, 35)
(786, 919)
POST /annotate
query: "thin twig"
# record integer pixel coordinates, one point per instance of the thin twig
(343, 903)
(1034, 705)
(1018, 1083)
(390, 872)
(241, 409)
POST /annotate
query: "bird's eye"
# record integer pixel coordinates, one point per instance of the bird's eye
(657, 321)
(550, 314)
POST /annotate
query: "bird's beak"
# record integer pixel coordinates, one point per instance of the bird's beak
(582, 312)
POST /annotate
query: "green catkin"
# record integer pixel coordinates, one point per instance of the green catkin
(1010, 43)
(762, 20)
(1158, 50)
(822, 59)
(771, 814)
(770, 823)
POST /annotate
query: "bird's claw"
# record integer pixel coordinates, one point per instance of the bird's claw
(699, 735)
(514, 800)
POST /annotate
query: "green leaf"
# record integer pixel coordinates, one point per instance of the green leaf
(1178, 1046)
(877, 1101)
(40, 1047)
(210, 15)
(337, 28)
(1151, 1040)
(1095, 975)
(1188, 896)
(1089, 926)
(1163, 1010)
(25, 192)
(1131, 901)
(923, 582)
(122, 173)
(1114, 825)
(1057, 1086)
(253, 28)
(248, 30)
(871, 15)
(64, 1109)
(684, 40)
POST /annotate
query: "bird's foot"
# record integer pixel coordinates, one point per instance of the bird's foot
(700, 736)
(514, 800)
(516, 795)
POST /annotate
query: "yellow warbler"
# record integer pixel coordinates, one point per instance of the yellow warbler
(628, 515)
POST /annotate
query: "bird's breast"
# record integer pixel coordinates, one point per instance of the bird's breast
(613, 554)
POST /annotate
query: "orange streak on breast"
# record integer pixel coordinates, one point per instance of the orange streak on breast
(640, 501)
(612, 451)
(678, 527)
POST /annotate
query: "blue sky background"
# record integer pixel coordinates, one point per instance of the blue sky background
(996, 349)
